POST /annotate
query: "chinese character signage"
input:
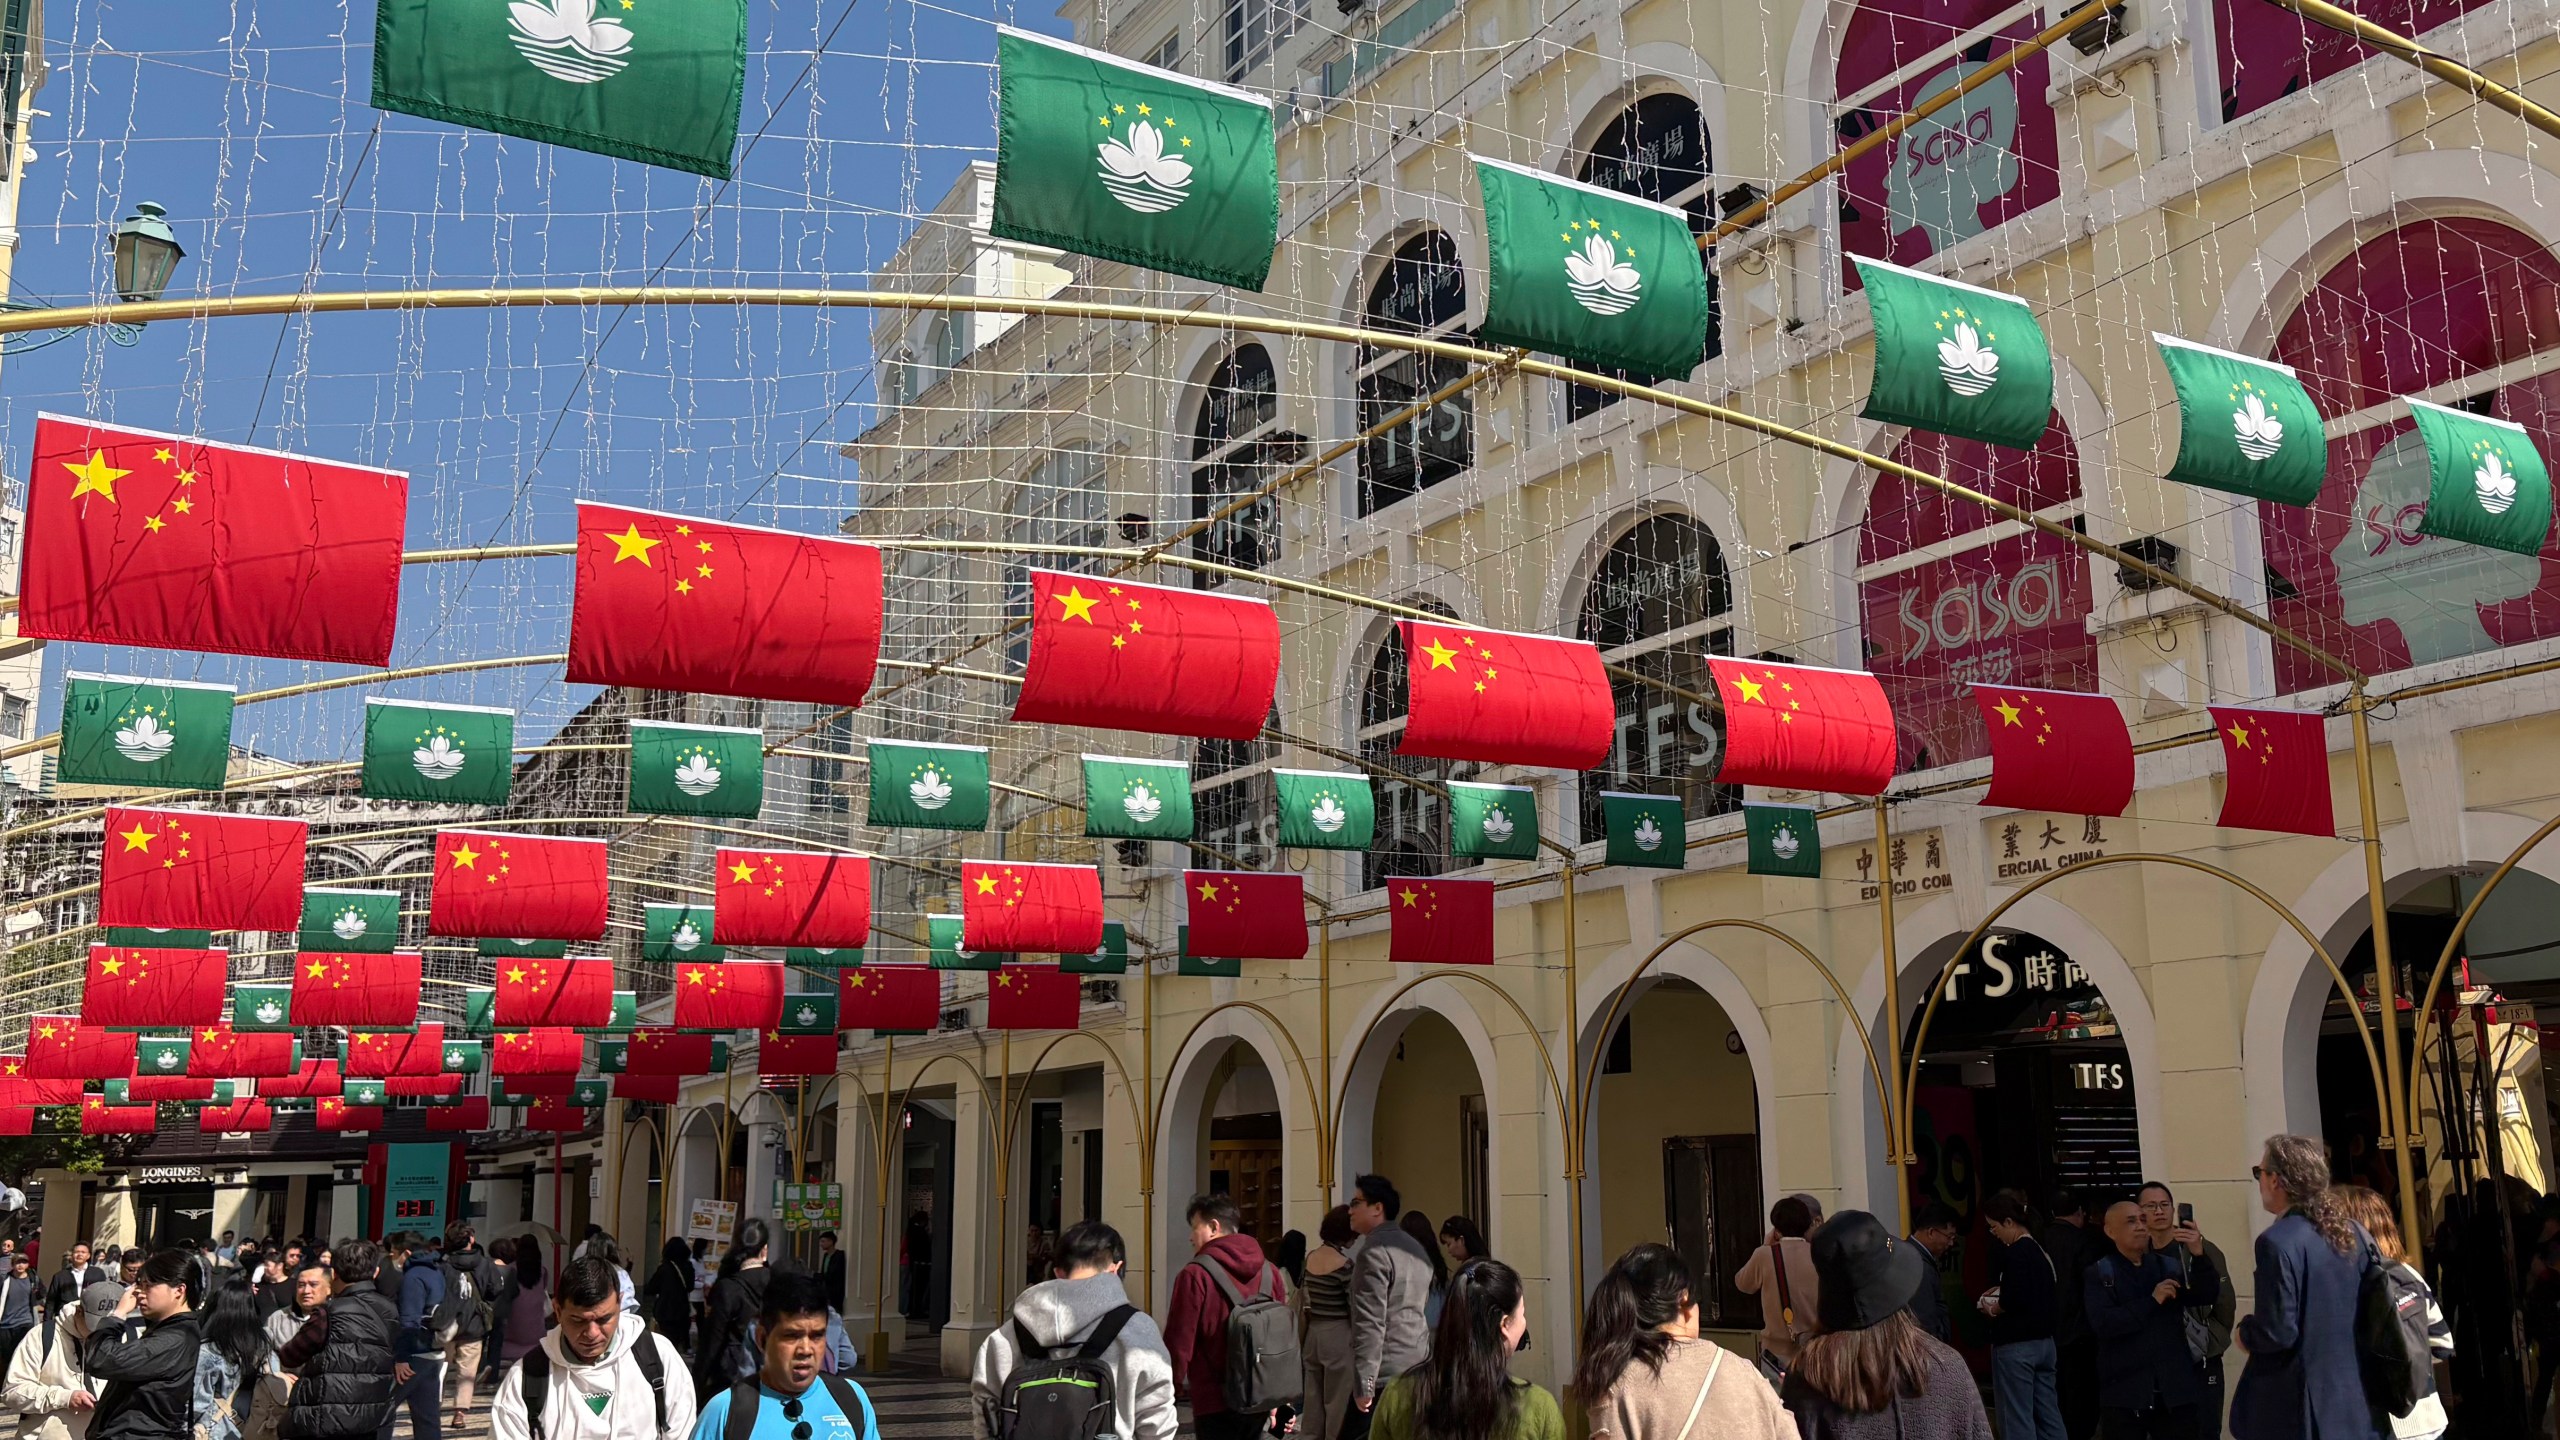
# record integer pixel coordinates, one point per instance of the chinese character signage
(2016, 987)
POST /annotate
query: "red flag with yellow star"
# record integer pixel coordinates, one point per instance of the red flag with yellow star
(1505, 699)
(536, 1052)
(1803, 727)
(140, 538)
(362, 992)
(729, 995)
(59, 1047)
(1033, 997)
(240, 1117)
(16, 1120)
(889, 997)
(181, 1088)
(493, 885)
(17, 1087)
(660, 1050)
(660, 1089)
(469, 1116)
(97, 1117)
(1124, 656)
(1440, 922)
(557, 1116)
(2056, 750)
(221, 1051)
(667, 602)
(130, 985)
(198, 870)
(336, 1115)
(1245, 915)
(790, 1055)
(422, 1087)
(791, 897)
(313, 1079)
(552, 992)
(2275, 771)
(378, 1055)
(1012, 906)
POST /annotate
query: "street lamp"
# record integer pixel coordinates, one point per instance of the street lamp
(147, 254)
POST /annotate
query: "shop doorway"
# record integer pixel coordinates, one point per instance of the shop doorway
(1241, 1157)
(924, 1253)
(1428, 1132)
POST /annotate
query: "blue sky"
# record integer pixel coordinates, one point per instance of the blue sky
(249, 120)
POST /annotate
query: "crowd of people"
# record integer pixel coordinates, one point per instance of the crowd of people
(1386, 1328)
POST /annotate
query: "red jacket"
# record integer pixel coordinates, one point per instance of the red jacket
(1195, 1329)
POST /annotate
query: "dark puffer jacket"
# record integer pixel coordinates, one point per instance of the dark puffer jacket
(345, 1390)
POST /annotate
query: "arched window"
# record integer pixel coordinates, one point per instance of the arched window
(1656, 149)
(1235, 805)
(1237, 448)
(2437, 309)
(1982, 161)
(1422, 291)
(2266, 55)
(1413, 824)
(1065, 500)
(1950, 595)
(937, 353)
(1659, 603)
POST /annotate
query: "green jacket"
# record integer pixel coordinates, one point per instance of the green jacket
(1537, 1418)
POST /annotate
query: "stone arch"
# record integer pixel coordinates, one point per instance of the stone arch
(1360, 1072)
(1178, 1156)
(1651, 68)
(1657, 490)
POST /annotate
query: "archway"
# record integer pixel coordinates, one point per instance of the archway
(1418, 1106)
(1233, 1069)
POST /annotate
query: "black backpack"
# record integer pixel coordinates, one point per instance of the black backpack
(1263, 1372)
(2391, 1339)
(536, 1383)
(746, 1396)
(1067, 1397)
(464, 1307)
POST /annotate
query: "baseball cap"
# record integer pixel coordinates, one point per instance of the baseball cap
(99, 1302)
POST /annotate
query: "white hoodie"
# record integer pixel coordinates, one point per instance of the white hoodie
(630, 1412)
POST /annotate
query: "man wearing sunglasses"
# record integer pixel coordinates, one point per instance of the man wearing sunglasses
(600, 1376)
(790, 1399)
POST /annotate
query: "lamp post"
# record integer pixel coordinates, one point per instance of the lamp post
(146, 253)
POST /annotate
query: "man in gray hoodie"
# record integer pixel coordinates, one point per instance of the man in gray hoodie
(1390, 1287)
(1059, 1314)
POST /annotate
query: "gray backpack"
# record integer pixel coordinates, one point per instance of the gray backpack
(1262, 1344)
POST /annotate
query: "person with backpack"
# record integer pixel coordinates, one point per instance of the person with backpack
(2429, 1338)
(670, 1293)
(728, 1352)
(470, 1282)
(426, 1311)
(2305, 1379)
(790, 1395)
(147, 1355)
(1077, 1361)
(599, 1376)
(48, 1384)
(1780, 1272)
(341, 1358)
(1647, 1374)
(1229, 1329)
(2136, 1299)
(1390, 1289)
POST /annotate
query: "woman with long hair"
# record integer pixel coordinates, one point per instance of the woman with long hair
(1461, 1241)
(2303, 1377)
(524, 1305)
(727, 1353)
(2368, 1209)
(1646, 1372)
(670, 1293)
(1869, 1372)
(1324, 1327)
(1464, 1390)
(235, 1349)
(1418, 1225)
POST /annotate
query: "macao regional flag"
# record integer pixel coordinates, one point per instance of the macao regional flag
(792, 897)
(510, 886)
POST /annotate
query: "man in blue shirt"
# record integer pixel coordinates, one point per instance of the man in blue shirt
(418, 1371)
(789, 1399)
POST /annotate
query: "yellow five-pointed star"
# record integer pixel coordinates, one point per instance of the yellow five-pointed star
(465, 858)
(1410, 896)
(1077, 605)
(1442, 657)
(515, 976)
(111, 966)
(2240, 736)
(154, 524)
(1749, 688)
(1208, 890)
(986, 884)
(2007, 712)
(97, 477)
(632, 545)
(138, 838)
(741, 870)
(318, 969)
(164, 455)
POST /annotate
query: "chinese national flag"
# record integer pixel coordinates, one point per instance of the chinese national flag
(335, 1114)
(557, 1086)
(17, 1120)
(1124, 656)
(889, 997)
(97, 1117)
(517, 887)
(17, 1087)
(222, 1051)
(536, 1052)
(197, 870)
(2276, 771)
(240, 1117)
(1007, 907)
(659, 1050)
(558, 1116)
(1505, 699)
(789, 1055)
(376, 1055)
(155, 1088)
(469, 1116)
(729, 995)
(792, 897)
(1801, 727)
(552, 992)
(2056, 750)
(316, 1078)
(139, 538)
(59, 1047)
(1246, 915)
(660, 1089)
(129, 986)
(422, 1086)
(1033, 997)
(1440, 922)
(357, 991)
(670, 603)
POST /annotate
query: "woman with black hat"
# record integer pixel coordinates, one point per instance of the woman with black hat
(1870, 1372)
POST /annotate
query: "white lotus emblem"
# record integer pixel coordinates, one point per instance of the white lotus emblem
(1648, 836)
(687, 935)
(1142, 805)
(349, 925)
(1497, 826)
(1328, 815)
(269, 1012)
(144, 741)
(697, 776)
(2493, 482)
(1968, 366)
(438, 759)
(827, 951)
(930, 790)
(805, 1015)
(2258, 433)
(1138, 172)
(567, 40)
(1783, 842)
(455, 1059)
(1603, 283)
(165, 1059)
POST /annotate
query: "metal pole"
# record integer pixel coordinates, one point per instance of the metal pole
(1327, 1163)
(2443, 67)
(557, 1186)
(1004, 1164)
(2385, 986)
(1147, 1153)
(1898, 1103)
(880, 1253)
(1573, 1117)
